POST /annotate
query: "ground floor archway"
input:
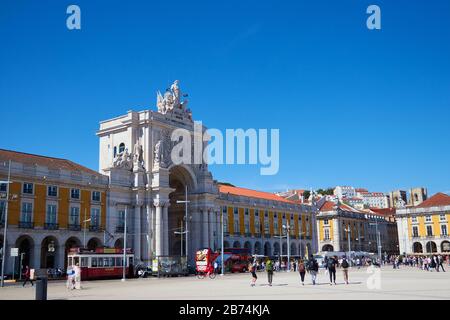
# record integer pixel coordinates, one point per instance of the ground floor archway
(267, 249)
(236, 245)
(327, 248)
(26, 251)
(417, 247)
(71, 243)
(431, 247)
(258, 248)
(49, 252)
(445, 247)
(93, 244)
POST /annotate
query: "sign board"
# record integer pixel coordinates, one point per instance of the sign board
(14, 252)
(155, 265)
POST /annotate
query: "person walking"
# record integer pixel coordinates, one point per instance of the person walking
(345, 267)
(302, 270)
(331, 266)
(70, 278)
(269, 269)
(441, 263)
(253, 268)
(313, 269)
(27, 276)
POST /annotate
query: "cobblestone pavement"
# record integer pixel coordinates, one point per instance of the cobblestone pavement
(405, 284)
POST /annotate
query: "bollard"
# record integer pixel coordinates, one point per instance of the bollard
(41, 288)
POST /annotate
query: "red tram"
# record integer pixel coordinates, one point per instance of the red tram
(103, 263)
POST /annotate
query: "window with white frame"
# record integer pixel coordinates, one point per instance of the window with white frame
(266, 223)
(75, 194)
(96, 196)
(442, 217)
(326, 234)
(414, 219)
(429, 231)
(428, 219)
(27, 212)
(326, 222)
(236, 220)
(74, 218)
(257, 222)
(52, 191)
(415, 232)
(275, 224)
(3, 187)
(444, 230)
(121, 218)
(95, 217)
(27, 188)
(50, 215)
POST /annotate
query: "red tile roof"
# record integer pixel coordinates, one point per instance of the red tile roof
(253, 194)
(49, 162)
(385, 211)
(439, 199)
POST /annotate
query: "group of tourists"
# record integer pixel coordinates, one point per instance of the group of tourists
(426, 263)
(303, 267)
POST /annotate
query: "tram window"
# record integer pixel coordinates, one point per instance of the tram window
(111, 262)
(76, 260)
(70, 262)
(106, 262)
(94, 262)
(84, 262)
(100, 262)
(118, 262)
(130, 261)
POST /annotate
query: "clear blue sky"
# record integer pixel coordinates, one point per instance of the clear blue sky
(355, 107)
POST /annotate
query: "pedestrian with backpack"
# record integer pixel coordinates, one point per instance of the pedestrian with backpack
(302, 270)
(331, 266)
(313, 269)
(345, 267)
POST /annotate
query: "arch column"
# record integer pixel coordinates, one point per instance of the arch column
(165, 218)
(159, 228)
(35, 259)
(205, 229)
(137, 232)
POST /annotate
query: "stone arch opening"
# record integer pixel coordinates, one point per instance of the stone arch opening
(293, 249)
(26, 251)
(258, 248)
(180, 177)
(327, 248)
(236, 245)
(49, 252)
(267, 249)
(417, 247)
(431, 247)
(119, 243)
(276, 249)
(93, 244)
(445, 247)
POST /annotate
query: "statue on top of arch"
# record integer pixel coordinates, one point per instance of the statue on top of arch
(171, 100)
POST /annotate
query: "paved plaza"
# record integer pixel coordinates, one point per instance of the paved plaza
(404, 284)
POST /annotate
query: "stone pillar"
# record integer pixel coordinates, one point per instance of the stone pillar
(35, 261)
(166, 229)
(205, 229)
(159, 229)
(337, 235)
(137, 233)
(60, 256)
(148, 230)
(212, 229)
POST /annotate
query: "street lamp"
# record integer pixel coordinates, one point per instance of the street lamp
(348, 230)
(187, 219)
(124, 241)
(288, 231)
(378, 238)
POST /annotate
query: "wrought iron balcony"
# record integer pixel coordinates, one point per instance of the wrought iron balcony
(51, 226)
(26, 225)
(95, 228)
(74, 227)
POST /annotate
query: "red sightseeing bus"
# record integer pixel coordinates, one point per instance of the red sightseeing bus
(103, 263)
